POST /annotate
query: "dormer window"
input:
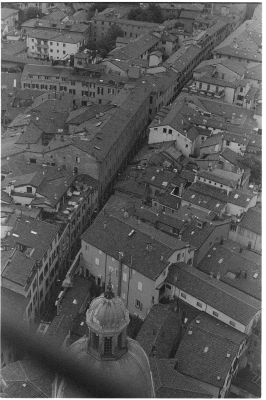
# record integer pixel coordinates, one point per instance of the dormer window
(107, 351)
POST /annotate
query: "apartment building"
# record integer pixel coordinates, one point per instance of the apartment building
(53, 45)
(169, 125)
(63, 197)
(210, 295)
(136, 259)
(100, 25)
(33, 244)
(50, 39)
(93, 87)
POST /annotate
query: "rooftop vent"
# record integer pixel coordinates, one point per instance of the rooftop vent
(206, 349)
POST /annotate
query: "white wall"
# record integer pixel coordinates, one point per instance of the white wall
(157, 135)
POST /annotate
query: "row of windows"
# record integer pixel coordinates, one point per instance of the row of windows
(51, 43)
(214, 313)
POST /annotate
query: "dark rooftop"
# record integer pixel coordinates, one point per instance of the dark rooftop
(230, 301)
(233, 269)
(251, 221)
(160, 330)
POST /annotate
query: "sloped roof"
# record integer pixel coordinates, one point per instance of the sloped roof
(160, 330)
(203, 355)
(111, 236)
(7, 12)
(169, 383)
(27, 379)
(251, 221)
(234, 270)
(36, 234)
(19, 269)
(135, 49)
(222, 297)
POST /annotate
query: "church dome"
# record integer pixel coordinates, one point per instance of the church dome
(108, 351)
(107, 315)
(132, 370)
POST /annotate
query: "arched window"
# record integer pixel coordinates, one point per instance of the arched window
(107, 346)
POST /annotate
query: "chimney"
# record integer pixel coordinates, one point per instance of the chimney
(218, 276)
(104, 225)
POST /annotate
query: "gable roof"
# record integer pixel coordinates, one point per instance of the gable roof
(204, 355)
(27, 379)
(251, 221)
(169, 383)
(234, 269)
(222, 297)
(32, 233)
(160, 330)
(111, 236)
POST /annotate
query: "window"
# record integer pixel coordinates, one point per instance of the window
(138, 305)
(215, 314)
(107, 346)
(140, 286)
(97, 262)
(199, 304)
(164, 130)
(95, 341)
(183, 295)
(170, 131)
(120, 341)
(124, 277)
(51, 43)
(64, 52)
(29, 189)
(64, 45)
(232, 323)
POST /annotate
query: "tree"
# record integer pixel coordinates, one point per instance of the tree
(105, 45)
(254, 164)
(99, 6)
(29, 13)
(152, 13)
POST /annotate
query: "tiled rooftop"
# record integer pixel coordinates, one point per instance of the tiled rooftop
(233, 269)
(222, 297)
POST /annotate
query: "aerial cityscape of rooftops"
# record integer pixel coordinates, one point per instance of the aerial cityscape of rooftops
(131, 198)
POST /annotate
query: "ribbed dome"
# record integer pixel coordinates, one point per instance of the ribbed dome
(107, 315)
(132, 369)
